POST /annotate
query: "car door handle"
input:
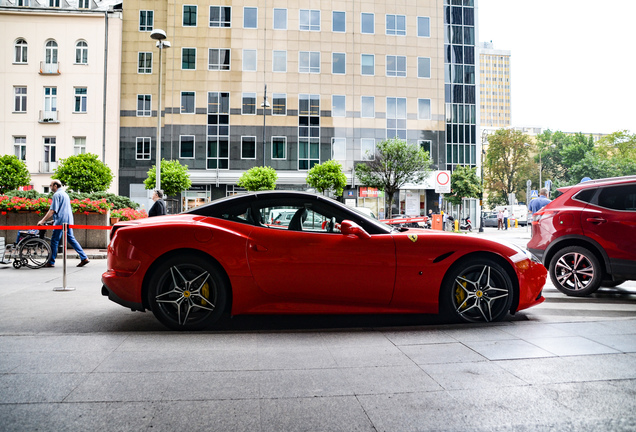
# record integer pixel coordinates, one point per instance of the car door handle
(258, 248)
(596, 221)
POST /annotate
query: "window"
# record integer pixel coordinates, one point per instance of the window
(84, 4)
(220, 16)
(426, 146)
(338, 106)
(368, 106)
(280, 19)
(19, 147)
(423, 67)
(50, 55)
(367, 23)
(79, 145)
(189, 15)
(309, 20)
(423, 27)
(367, 64)
(54, 3)
(308, 131)
(143, 148)
(338, 63)
(338, 22)
(279, 147)
(338, 148)
(20, 99)
(49, 162)
(187, 102)
(424, 109)
(395, 118)
(396, 66)
(396, 25)
(188, 58)
(249, 60)
(219, 59)
(146, 20)
(143, 105)
(50, 103)
(24, 3)
(21, 50)
(367, 148)
(249, 103)
(81, 52)
(144, 63)
(186, 146)
(279, 61)
(250, 17)
(308, 62)
(80, 100)
(218, 149)
(279, 104)
(248, 147)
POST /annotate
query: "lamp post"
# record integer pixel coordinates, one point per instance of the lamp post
(265, 105)
(159, 36)
(484, 138)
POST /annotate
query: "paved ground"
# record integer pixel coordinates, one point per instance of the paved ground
(76, 361)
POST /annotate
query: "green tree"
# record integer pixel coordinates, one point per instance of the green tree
(175, 177)
(396, 162)
(13, 173)
(327, 176)
(84, 173)
(258, 179)
(464, 184)
(507, 164)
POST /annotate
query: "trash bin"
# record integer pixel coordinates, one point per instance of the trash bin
(438, 223)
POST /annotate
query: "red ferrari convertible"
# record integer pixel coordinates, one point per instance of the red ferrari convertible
(234, 255)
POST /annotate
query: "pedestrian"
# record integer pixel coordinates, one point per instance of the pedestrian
(159, 207)
(538, 203)
(505, 217)
(444, 220)
(62, 213)
(500, 219)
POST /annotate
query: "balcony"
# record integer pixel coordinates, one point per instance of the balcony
(47, 167)
(49, 68)
(48, 117)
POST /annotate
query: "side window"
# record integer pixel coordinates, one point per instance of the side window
(299, 218)
(586, 195)
(618, 197)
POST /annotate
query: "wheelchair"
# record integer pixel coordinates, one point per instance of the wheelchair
(31, 249)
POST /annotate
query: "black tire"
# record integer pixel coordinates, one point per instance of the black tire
(611, 283)
(35, 253)
(477, 291)
(575, 271)
(187, 293)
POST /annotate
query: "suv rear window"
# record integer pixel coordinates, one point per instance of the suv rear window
(618, 197)
(586, 195)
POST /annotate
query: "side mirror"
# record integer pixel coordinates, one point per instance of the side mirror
(348, 227)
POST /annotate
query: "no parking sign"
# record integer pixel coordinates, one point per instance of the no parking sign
(442, 182)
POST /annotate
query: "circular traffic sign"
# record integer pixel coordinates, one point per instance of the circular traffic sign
(443, 178)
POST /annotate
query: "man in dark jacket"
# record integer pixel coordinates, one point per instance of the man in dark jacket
(159, 207)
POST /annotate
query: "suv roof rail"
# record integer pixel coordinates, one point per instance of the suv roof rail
(603, 180)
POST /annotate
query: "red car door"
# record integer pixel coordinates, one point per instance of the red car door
(327, 267)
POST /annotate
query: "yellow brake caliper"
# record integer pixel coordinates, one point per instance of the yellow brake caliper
(460, 294)
(205, 292)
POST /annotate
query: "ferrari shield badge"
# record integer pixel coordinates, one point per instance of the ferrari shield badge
(412, 237)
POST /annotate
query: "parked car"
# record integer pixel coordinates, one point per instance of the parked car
(587, 236)
(490, 220)
(189, 269)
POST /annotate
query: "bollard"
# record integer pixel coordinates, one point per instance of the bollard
(64, 287)
(456, 225)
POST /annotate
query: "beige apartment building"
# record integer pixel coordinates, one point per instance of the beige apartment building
(494, 89)
(60, 71)
(289, 85)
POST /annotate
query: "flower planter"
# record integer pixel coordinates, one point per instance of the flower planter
(114, 220)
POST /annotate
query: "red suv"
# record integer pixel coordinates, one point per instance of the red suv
(587, 236)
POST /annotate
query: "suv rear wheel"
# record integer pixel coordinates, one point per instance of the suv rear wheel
(575, 271)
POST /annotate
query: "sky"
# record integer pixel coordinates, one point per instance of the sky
(573, 62)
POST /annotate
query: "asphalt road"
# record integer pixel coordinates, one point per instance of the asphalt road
(76, 361)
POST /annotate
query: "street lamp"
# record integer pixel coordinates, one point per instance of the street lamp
(484, 139)
(264, 105)
(159, 36)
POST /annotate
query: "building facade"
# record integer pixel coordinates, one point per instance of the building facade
(61, 83)
(495, 107)
(288, 85)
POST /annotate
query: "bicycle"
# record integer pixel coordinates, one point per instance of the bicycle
(30, 249)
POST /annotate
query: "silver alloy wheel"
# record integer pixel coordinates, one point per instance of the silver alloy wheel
(574, 271)
(481, 293)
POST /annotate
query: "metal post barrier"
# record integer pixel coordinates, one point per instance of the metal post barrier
(64, 287)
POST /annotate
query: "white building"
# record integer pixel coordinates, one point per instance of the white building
(60, 65)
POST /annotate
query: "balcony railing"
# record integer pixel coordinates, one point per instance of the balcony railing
(49, 117)
(47, 167)
(49, 68)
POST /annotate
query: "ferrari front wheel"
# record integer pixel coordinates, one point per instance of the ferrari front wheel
(187, 293)
(477, 291)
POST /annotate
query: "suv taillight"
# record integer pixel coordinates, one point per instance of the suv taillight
(541, 215)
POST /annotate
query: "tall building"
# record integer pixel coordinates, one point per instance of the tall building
(290, 85)
(494, 89)
(61, 74)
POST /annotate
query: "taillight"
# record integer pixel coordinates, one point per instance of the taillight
(541, 215)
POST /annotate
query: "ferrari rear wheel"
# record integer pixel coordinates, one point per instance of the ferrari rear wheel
(187, 293)
(477, 291)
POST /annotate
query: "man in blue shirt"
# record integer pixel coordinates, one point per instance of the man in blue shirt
(62, 213)
(538, 203)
